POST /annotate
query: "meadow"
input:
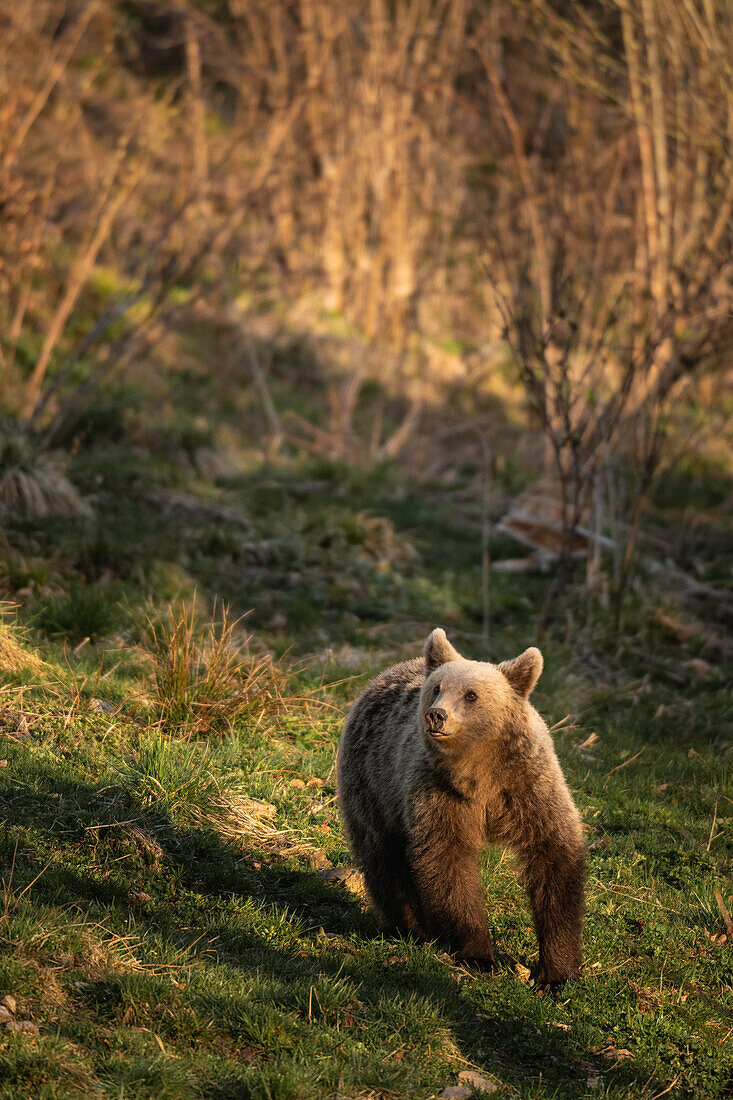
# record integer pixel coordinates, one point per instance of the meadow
(180, 917)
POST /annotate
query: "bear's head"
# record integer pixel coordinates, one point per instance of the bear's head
(462, 702)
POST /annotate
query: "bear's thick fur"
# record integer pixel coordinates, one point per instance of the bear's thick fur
(438, 758)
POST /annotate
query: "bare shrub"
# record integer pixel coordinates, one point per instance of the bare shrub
(90, 178)
(610, 252)
(337, 172)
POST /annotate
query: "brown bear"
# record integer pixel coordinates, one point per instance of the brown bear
(438, 758)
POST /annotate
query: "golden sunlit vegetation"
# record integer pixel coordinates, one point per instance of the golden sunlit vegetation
(323, 323)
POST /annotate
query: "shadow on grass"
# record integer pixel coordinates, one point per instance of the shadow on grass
(194, 894)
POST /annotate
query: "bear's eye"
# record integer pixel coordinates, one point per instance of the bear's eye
(437, 690)
(471, 696)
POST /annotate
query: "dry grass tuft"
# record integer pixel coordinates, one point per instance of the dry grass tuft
(14, 657)
(237, 817)
(203, 682)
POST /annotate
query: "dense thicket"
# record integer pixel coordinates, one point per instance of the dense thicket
(432, 192)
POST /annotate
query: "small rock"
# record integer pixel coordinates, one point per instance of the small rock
(348, 877)
(10, 1003)
(137, 897)
(470, 1077)
(13, 724)
(456, 1092)
(3, 763)
(212, 464)
(101, 706)
(26, 1027)
(5, 1016)
(348, 657)
(700, 667)
(299, 784)
(515, 565)
(314, 781)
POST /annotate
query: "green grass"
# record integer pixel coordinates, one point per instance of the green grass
(172, 938)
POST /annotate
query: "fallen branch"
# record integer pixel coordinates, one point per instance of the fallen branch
(712, 828)
(724, 913)
(171, 502)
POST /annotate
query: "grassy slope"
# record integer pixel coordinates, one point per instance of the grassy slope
(162, 958)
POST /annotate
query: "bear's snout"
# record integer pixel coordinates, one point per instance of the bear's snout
(435, 719)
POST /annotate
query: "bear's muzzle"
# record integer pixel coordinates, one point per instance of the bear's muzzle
(435, 719)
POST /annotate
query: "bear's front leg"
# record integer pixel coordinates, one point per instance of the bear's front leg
(554, 875)
(450, 896)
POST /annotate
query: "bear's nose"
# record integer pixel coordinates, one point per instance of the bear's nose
(435, 719)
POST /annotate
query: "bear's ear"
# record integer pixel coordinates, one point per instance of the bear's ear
(524, 671)
(438, 651)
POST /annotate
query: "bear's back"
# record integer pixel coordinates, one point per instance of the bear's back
(379, 745)
(387, 703)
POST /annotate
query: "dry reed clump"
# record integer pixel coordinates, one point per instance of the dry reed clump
(34, 484)
(203, 682)
(45, 491)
